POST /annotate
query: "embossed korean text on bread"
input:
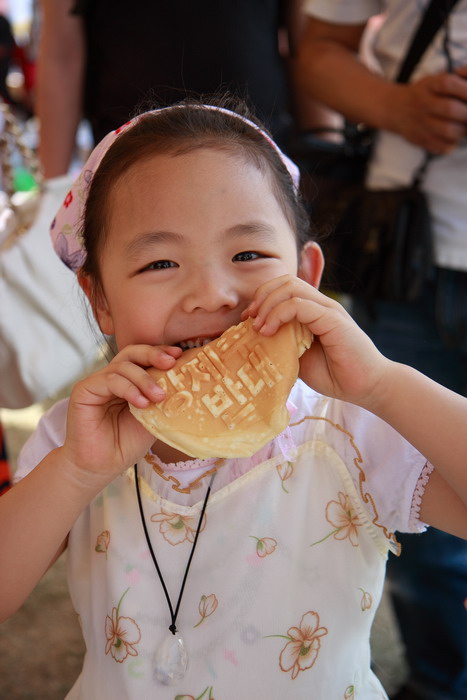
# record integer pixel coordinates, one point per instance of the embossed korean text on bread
(228, 398)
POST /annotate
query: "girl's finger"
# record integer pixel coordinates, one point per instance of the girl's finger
(136, 376)
(122, 380)
(262, 293)
(294, 290)
(164, 354)
(160, 356)
(285, 311)
(124, 389)
(320, 318)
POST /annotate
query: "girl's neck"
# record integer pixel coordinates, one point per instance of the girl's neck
(168, 454)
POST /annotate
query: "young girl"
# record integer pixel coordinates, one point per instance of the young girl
(241, 578)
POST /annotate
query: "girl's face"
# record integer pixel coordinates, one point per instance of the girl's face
(190, 238)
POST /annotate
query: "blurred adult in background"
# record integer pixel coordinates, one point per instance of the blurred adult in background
(18, 32)
(429, 581)
(101, 58)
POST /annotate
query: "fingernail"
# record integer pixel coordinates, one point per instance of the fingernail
(257, 323)
(158, 392)
(141, 401)
(170, 358)
(268, 328)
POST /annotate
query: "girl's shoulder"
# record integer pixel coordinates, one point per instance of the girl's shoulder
(49, 434)
(318, 415)
(374, 454)
(307, 407)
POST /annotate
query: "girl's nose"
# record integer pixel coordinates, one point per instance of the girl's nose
(209, 291)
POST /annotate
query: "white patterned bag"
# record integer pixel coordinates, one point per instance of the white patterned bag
(47, 336)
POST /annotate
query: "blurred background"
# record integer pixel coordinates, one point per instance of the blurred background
(41, 648)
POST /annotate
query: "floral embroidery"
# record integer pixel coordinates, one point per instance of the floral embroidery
(176, 528)
(73, 260)
(122, 634)
(68, 199)
(102, 542)
(366, 601)
(265, 545)
(285, 471)
(366, 497)
(207, 605)
(349, 693)
(342, 516)
(304, 643)
(203, 695)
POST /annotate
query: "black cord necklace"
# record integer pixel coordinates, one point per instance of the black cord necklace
(171, 659)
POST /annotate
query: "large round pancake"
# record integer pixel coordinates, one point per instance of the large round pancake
(228, 398)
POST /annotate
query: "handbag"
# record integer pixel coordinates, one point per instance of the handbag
(47, 337)
(381, 246)
(332, 170)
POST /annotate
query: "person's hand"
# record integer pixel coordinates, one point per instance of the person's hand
(342, 361)
(432, 111)
(102, 437)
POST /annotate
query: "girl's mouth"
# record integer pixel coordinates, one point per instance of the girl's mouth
(194, 342)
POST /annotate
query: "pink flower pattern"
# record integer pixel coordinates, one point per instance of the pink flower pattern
(264, 546)
(285, 471)
(207, 605)
(176, 528)
(103, 542)
(342, 516)
(122, 633)
(304, 642)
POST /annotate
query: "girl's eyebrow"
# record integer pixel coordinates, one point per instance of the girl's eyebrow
(259, 229)
(141, 242)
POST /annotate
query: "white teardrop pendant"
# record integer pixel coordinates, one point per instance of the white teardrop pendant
(170, 660)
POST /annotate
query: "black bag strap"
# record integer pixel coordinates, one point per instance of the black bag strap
(435, 15)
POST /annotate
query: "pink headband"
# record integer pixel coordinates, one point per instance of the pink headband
(65, 228)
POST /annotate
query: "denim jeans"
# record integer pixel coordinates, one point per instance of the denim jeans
(428, 582)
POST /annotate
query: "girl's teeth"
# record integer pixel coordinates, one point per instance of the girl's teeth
(187, 345)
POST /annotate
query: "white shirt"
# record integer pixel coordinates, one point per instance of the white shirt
(395, 160)
(287, 574)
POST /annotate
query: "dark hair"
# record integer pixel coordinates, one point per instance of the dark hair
(180, 131)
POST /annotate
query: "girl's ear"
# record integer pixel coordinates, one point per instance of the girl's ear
(311, 264)
(98, 303)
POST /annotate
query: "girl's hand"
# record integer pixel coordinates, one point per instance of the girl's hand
(342, 361)
(103, 438)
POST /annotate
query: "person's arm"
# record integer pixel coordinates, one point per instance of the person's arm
(307, 111)
(431, 112)
(102, 440)
(434, 420)
(60, 74)
(36, 516)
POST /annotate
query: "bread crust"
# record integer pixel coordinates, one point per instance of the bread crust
(227, 398)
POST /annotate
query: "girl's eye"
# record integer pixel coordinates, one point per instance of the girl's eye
(159, 265)
(247, 255)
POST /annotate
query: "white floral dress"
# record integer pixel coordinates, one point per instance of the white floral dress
(287, 573)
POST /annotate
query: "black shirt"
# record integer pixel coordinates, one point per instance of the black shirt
(148, 53)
